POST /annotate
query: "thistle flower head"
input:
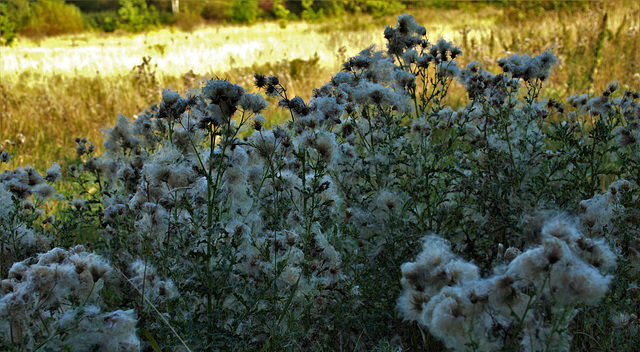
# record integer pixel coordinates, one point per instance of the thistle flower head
(448, 69)
(170, 96)
(405, 80)
(53, 173)
(562, 228)
(258, 122)
(406, 24)
(574, 280)
(5, 157)
(120, 137)
(261, 81)
(253, 102)
(43, 190)
(406, 35)
(223, 92)
(529, 68)
(172, 105)
(98, 267)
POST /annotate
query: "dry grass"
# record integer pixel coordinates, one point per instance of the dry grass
(58, 88)
(214, 49)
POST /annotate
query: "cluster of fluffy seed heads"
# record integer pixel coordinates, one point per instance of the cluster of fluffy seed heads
(447, 295)
(120, 138)
(271, 84)
(599, 211)
(19, 189)
(296, 105)
(23, 182)
(480, 83)
(49, 288)
(443, 51)
(406, 35)
(172, 105)
(529, 68)
(223, 92)
(253, 102)
(83, 146)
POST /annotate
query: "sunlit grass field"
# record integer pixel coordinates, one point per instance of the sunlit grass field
(57, 88)
(212, 49)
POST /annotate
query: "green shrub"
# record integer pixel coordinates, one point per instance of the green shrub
(134, 16)
(90, 6)
(106, 21)
(215, 10)
(188, 21)
(280, 12)
(375, 7)
(51, 17)
(7, 26)
(19, 12)
(244, 11)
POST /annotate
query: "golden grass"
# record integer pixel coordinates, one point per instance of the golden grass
(215, 49)
(57, 88)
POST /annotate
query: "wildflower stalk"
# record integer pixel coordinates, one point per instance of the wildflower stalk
(155, 309)
(514, 167)
(170, 125)
(282, 92)
(412, 90)
(212, 188)
(3, 267)
(93, 286)
(530, 302)
(556, 323)
(42, 320)
(303, 174)
(284, 312)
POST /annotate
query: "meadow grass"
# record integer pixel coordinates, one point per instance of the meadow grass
(61, 87)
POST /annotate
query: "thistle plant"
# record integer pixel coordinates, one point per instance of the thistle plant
(378, 216)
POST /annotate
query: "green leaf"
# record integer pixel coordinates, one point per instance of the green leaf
(152, 341)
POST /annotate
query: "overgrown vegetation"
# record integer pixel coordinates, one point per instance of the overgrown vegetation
(376, 217)
(39, 18)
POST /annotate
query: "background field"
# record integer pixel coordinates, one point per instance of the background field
(56, 88)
